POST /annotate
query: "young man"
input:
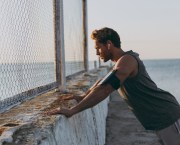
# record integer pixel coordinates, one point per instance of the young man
(156, 109)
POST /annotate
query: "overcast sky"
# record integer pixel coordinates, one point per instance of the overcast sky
(149, 27)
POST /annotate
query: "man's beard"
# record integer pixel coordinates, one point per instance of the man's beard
(107, 58)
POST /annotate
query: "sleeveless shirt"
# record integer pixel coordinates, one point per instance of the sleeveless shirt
(155, 108)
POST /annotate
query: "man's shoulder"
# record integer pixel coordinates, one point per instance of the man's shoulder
(128, 64)
(127, 59)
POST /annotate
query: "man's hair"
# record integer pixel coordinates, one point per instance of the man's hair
(105, 34)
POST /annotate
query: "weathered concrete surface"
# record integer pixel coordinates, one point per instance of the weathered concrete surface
(123, 128)
(26, 125)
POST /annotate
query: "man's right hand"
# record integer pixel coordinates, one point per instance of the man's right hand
(70, 97)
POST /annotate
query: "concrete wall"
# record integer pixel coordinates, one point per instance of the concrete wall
(85, 128)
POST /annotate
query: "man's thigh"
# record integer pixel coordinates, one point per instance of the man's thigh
(171, 134)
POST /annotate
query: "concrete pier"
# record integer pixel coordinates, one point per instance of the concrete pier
(122, 127)
(26, 124)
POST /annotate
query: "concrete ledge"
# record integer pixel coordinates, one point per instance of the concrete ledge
(86, 128)
(25, 124)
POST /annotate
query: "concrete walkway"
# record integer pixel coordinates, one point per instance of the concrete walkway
(123, 128)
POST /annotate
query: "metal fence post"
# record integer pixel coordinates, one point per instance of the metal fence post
(99, 62)
(59, 40)
(85, 43)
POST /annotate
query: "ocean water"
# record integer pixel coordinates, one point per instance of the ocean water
(16, 78)
(166, 74)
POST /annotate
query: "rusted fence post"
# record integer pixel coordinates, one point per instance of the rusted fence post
(59, 44)
(85, 42)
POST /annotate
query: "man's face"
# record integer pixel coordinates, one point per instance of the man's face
(102, 51)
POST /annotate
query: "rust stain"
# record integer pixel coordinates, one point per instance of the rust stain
(2, 129)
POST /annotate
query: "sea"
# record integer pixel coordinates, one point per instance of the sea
(165, 73)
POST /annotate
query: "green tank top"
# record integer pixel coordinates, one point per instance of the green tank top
(155, 108)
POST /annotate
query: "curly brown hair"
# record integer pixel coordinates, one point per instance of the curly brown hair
(105, 34)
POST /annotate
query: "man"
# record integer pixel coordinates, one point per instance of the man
(156, 109)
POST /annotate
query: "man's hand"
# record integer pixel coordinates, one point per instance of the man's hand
(63, 111)
(70, 97)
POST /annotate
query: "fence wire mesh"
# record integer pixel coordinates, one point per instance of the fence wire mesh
(27, 44)
(73, 36)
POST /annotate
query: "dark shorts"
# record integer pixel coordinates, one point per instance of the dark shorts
(171, 134)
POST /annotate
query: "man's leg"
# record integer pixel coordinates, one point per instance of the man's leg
(171, 134)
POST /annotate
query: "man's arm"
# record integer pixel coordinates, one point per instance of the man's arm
(89, 90)
(126, 67)
(79, 98)
(98, 94)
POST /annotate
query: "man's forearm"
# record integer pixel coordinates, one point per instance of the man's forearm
(89, 90)
(98, 94)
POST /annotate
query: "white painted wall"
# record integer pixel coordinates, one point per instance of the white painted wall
(85, 128)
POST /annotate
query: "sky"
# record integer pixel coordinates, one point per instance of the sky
(149, 27)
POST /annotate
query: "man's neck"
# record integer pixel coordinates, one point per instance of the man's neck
(117, 53)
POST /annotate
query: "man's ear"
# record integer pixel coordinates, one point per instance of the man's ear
(109, 45)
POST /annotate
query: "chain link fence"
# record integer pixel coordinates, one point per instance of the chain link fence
(73, 36)
(27, 42)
